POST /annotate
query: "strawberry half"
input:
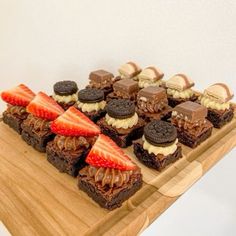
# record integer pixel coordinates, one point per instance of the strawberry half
(105, 153)
(18, 96)
(74, 123)
(44, 107)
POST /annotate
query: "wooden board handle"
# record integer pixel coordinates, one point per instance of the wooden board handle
(182, 181)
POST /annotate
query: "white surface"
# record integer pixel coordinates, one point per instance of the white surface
(3, 230)
(43, 41)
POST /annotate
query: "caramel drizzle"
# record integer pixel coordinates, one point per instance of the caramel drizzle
(38, 123)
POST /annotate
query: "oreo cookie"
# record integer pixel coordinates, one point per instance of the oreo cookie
(64, 88)
(91, 95)
(120, 108)
(160, 133)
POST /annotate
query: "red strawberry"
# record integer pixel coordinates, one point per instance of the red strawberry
(44, 107)
(18, 96)
(105, 153)
(74, 123)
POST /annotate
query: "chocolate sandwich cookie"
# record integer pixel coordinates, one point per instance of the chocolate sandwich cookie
(160, 133)
(90, 95)
(65, 88)
(120, 108)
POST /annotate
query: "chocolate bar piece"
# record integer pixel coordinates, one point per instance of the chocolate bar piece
(191, 111)
(129, 70)
(152, 93)
(126, 87)
(100, 76)
(151, 73)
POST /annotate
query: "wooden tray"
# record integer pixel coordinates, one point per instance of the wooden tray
(35, 199)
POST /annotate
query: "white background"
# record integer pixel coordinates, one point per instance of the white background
(43, 41)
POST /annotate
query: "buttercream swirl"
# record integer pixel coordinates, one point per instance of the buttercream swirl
(144, 83)
(67, 98)
(89, 107)
(109, 176)
(210, 103)
(122, 123)
(70, 143)
(187, 93)
(159, 150)
(37, 123)
(16, 110)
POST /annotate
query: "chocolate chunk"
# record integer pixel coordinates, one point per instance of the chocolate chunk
(100, 76)
(160, 133)
(152, 93)
(90, 95)
(120, 108)
(64, 88)
(179, 82)
(190, 111)
(126, 87)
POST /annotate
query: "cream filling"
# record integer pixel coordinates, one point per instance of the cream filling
(143, 83)
(88, 107)
(122, 123)
(187, 93)
(210, 103)
(66, 99)
(159, 150)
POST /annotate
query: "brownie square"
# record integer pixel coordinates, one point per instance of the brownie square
(14, 121)
(220, 118)
(122, 137)
(95, 115)
(158, 162)
(106, 197)
(37, 139)
(66, 106)
(176, 101)
(193, 138)
(69, 162)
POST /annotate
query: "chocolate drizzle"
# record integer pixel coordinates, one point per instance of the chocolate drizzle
(109, 176)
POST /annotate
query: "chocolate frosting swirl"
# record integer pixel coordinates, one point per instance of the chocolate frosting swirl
(71, 143)
(37, 123)
(16, 110)
(109, 176)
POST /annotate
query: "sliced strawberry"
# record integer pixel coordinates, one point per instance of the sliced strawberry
(105, 153)
(18, 96)
(74, 123)
(44, 107)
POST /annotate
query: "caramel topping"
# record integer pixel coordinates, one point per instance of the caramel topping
(18, 110)
(71, 143)
(109, 176)
(37, 123)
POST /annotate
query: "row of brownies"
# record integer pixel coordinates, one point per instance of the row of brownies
(82, 130)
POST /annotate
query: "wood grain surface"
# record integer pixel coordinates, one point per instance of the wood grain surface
(35, 199)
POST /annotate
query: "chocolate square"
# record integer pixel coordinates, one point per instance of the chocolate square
(99, 76)
(152, 93)
(192, 110)
(126, 86)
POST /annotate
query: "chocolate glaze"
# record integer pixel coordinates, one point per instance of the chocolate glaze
(109, 176)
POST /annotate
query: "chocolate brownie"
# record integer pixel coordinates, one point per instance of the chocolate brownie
(66, 106)
(122, 137)
(192, 127)
(14, 116)
(158, 162)
(65, 88)
(68, 154)
(36, 132)
(106, 196)
(220, 117)
(176, 101)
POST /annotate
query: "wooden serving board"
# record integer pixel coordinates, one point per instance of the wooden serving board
(35, 199)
